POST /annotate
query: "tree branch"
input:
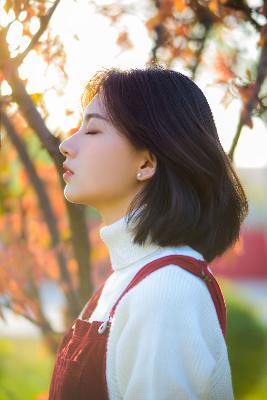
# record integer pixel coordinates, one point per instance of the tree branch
(159, 30)
(46, 209)
(246, 113)
(42, 325)
(242, 6)
(44, 21)
(6, 99)
(199, 53)
(76, 213)
(49, 335)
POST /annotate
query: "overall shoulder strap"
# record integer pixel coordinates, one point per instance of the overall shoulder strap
(91, 304)
(197, 267)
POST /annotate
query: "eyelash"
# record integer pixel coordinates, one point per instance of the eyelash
(90, 132)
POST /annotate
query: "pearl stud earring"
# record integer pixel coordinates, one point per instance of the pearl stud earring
(139, 174)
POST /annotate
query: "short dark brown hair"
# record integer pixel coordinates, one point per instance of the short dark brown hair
(195, 197)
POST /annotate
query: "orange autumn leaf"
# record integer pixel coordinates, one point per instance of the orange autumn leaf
(214, 6)
(124, 40)
(223, 67)
(26, 31)
(246, 91)
(180, 5)
(18, 308)
(13, 285)
(2, 76)
(72, 131)
(263, 36)
(72, 265)
(181, 30)
(153, 21)
(31, 11)
(69, 112)
(166, 8)
(53, 272)
(175, 51)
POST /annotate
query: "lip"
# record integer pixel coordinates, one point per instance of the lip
(67, 175)
(67, 168)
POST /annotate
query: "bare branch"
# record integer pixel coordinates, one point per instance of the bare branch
(199, 53)
(253, 100)
(46, 209)
(44, 325)
(44, 21)
(6, 99)
(76, 213)
(242, 6)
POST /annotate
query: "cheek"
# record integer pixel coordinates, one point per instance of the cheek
(107, 172)
(111, 165)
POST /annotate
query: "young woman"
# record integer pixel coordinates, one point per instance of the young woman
(149, 159)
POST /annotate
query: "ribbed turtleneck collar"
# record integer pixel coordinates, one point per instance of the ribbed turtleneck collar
(123, 252)
(119, 240)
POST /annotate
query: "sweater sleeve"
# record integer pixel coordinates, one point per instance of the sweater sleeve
(168, 345)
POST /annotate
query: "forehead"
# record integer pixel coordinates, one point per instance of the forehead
(95, 106)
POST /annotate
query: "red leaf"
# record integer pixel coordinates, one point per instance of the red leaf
(263, 36)
(69, 112)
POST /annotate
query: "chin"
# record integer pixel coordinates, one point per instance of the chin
(76, 198)
(71, 196)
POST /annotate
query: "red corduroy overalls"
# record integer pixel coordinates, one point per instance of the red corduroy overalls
(80, 367)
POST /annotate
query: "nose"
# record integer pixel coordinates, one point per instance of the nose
(61, 149)
(64, 148)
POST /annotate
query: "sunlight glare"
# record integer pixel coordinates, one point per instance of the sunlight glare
(3, 18)
(14, 35)
(34, 68)
(5, 89)
(34, 25)
(22, 15)
(11, 15)
(252, 145)
(24, 43)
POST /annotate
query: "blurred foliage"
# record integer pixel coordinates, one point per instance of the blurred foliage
(247, 344)
(25, 369)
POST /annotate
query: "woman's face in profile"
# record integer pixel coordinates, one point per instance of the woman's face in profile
(105, 164)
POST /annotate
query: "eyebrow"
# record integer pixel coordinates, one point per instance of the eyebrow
(94, 115)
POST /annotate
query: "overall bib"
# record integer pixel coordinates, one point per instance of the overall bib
(80, 367)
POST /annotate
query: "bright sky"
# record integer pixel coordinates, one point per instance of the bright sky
(97, 49)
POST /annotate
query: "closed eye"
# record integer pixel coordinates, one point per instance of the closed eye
(91, 132)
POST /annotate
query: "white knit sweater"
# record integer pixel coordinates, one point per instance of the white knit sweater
(165, 341)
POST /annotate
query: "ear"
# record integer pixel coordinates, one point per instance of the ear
(147, 166)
